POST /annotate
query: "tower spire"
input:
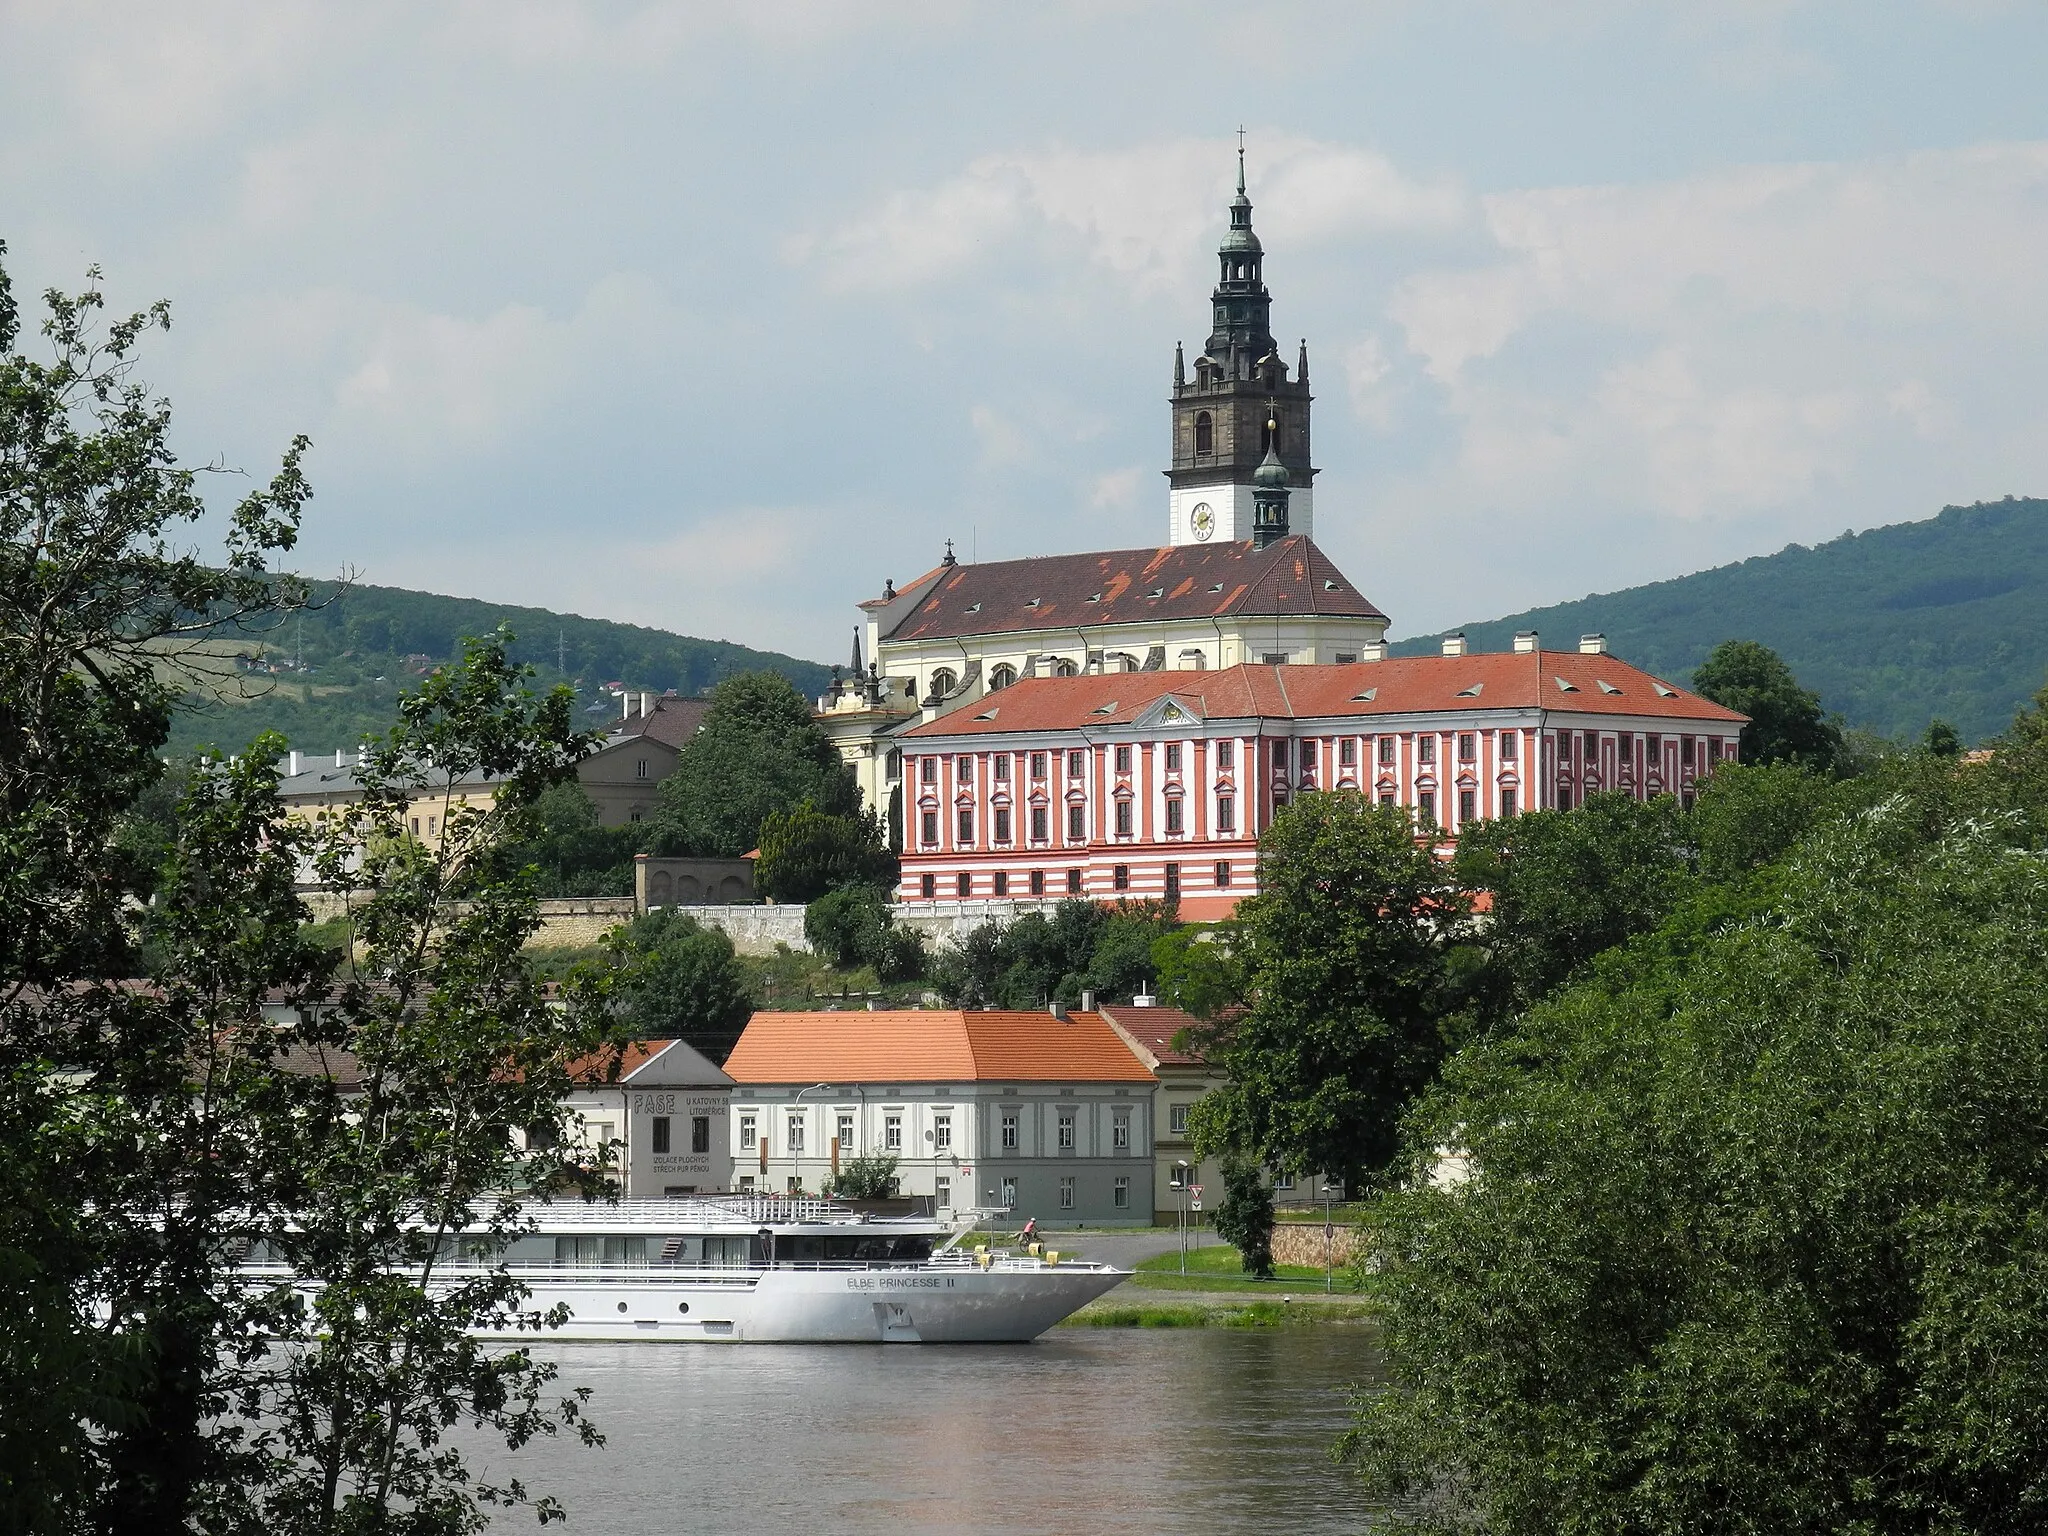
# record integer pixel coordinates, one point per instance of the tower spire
(1240, 159)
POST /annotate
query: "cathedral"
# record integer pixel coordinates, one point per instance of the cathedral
(1238, 579)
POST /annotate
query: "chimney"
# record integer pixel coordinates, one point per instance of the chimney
(1059, 1011)
(1144, 1000)
(1592, 645)
(1377, 651)
(1454, 645)
(1525, 642)
(1087, 1002)
(294, 772)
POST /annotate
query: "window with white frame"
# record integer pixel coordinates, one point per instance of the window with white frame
(846, 1133)
(795, 1131)
(1066, 1130)
(943, 1193)
(892, 1133)
(942, 1133)
(1066, 1194)
(1120, 1131)
(1009, 1193)
(749, 1130)
(1009, 1130)
(1121, 1193)
(1177, 1119)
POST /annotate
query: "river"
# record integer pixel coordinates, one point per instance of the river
(1089, 1429)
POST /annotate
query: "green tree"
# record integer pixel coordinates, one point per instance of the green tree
(1199, 970)
(1344, 959)
(853, 926)
(1748, 815)
(376, 1188)
(1082, 946)
(1565, 885)
(570, 850)
(1941, 739)
(1244, 1216)
(685, 982)
(1743, 1231)
(1785, 720)
(760, 752)
(806, 852)
(100, 602)
(868, 1177)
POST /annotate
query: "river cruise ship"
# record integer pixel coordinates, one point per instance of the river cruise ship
(761, 1270)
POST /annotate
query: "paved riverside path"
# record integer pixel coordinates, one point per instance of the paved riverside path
(1124, 1249)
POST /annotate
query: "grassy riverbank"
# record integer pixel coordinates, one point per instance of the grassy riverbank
(1120, 1309)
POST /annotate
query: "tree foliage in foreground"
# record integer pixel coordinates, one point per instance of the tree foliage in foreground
(149, 1132)
(1345, 956)
(1745, 1229)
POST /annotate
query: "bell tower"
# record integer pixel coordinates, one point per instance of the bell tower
(1240, 408)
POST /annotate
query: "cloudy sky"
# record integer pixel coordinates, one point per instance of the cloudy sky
(713, 316)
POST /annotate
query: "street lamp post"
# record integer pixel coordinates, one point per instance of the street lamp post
(1185, 1171)
(806, 1130)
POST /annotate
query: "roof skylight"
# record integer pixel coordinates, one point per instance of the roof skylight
(1663, 692)
(1472, 692)
(1563, 686)
(1366, 697)
(1606, 686)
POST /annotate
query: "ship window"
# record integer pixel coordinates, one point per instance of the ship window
(659, 1136)
(625, 1250)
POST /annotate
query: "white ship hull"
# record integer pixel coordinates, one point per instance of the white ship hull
(941, 1304)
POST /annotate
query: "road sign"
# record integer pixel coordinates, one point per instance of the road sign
(1196, 1189)
(1195, 1206)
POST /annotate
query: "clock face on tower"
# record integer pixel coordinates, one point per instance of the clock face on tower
(1202, 520)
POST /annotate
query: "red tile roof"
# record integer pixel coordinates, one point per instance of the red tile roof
(931, 1045)
(1289, 577)
(1152, 1030)
(1598, 685)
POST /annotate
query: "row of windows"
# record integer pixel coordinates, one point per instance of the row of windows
(795, 1122)
(1077, 763)
(1077, 821)
(964, 884)
(1387, 754)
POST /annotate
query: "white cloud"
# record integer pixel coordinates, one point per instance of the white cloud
(1147, 213)
(426, 383)
(1117, 490)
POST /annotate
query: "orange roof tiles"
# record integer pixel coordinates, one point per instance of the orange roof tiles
(936, 1045)
(1598, 685)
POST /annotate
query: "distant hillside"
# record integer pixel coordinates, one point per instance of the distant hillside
(1894, 627)
(327, 678)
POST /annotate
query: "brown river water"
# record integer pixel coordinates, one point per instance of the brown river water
(1089, 1429)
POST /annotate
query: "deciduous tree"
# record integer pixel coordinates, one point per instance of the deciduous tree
(1786, 724)
(760, 752)
(1344, 960)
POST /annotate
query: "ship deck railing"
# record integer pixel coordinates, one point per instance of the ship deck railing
(653, 1273)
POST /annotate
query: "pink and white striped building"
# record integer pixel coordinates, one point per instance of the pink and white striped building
(1155, 784)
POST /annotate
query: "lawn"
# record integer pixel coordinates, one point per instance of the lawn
(1215, 1266)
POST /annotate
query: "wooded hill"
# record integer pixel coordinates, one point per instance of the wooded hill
(1894, 627)
(331, 676)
